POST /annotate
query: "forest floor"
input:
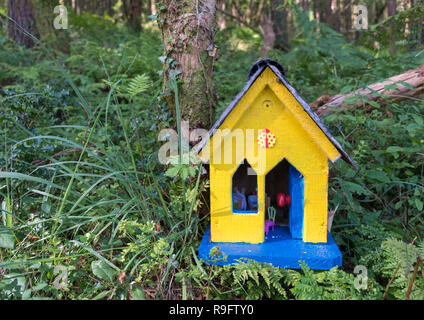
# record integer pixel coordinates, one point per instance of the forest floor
(88, 212)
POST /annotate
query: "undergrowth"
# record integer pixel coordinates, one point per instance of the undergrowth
(88, 212)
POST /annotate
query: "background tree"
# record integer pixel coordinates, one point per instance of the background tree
(188, 34)
(391, 7)
(132, 11)
(22, 12)
(279, 18)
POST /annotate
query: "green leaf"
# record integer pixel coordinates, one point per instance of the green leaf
(391, 87)
(7, 238)
(418, 119)
(172, 172)
(351, 99)
(46, 207)
(137, 294)
(40, 286)
(184, 173)
(406, 84)
(101, 270)
(110, 264)
(394, 150)
(374, 104)
(13, 284)
(355, 188)
(378, 175)
(101, 295)
(398, 205)
(419, 204)
(26, 294)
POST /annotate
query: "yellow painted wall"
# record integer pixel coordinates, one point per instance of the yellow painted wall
(268, 104)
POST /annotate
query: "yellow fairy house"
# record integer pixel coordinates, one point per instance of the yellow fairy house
(268, 155)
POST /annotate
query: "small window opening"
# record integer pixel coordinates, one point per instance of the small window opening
(245, 189)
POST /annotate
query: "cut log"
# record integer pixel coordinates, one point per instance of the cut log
(402, 86)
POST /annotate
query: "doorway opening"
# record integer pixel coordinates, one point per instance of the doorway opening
(284, 194)
(277, 182)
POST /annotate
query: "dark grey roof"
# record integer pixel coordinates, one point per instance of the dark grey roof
(255, 71)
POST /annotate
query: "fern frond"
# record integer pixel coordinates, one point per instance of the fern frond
(138, 85)
(404, 253)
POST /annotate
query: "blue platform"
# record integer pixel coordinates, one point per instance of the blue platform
(279, 249)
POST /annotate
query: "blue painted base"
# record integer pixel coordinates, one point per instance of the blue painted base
(279, 249)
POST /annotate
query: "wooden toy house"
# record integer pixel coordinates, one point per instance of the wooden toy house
(268, 157)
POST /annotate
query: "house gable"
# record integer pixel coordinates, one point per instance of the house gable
(267, 82)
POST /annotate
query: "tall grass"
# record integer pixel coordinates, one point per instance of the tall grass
(71, 206)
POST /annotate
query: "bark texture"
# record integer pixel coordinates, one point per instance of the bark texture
(188, 33)
(348, 16)
(414, 78)
(267, 30)
(22, 12)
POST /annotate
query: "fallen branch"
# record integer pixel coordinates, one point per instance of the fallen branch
(414, 275)
(402, 86)
(390, 282)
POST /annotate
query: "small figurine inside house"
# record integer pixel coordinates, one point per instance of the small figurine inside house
(268, 155)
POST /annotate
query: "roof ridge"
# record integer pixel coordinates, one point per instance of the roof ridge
(254, 72)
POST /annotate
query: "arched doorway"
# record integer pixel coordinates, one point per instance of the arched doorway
(287, 180)
(277, 181)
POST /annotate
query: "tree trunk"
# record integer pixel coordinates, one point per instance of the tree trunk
(77, 6)
(414, 78)
(335, 19)
(327, 12)
(280, 27)
(133, 14)
(422, 32)
(149, 8)
(305, 5)
(222, 21)
(109, 8)
(268, 34)
(188, 33)
(317, 10)
(22, 12)
(348, 16)
(44, 17)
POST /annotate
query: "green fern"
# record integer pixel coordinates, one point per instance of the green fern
(258, 280)
(401, 252)
(137, 85)
(334, 284)
(398, 253)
